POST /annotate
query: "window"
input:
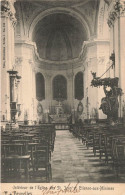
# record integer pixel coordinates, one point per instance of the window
(40, 87)
(59, 88)
(79, 88)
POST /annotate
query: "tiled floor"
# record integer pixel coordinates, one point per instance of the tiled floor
(72, 162)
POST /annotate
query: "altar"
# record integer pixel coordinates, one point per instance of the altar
(59, 109)
(60, 116)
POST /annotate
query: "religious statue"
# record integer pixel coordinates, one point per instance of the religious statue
(109, 104)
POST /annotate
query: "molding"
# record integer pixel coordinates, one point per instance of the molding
(90, 43)
(48, 64)
(83, 52)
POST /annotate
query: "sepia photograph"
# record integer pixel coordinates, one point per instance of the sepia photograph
(62, 104)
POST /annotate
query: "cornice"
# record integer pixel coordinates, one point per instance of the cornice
(48, 64)
(90, 43)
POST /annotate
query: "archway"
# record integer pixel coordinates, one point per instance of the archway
(59, 88)
(57, 10)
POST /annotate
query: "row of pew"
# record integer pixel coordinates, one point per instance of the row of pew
(26, 154)
(106, 140)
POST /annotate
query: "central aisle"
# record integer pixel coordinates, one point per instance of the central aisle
(72, 162)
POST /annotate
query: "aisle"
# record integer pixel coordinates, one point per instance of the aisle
(72, 162)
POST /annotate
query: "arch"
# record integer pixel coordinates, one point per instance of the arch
(59, 88)
(40, 87)
(79, 86)
(68, 11)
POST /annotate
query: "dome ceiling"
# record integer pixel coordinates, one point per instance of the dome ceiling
(59, 37)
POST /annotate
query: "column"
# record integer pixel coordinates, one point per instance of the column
(122, 57)
(116, 21)
(8, 23)
(12, 75)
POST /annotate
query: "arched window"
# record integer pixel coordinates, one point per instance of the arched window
(59, 88)
(40, 87)
(79, 88)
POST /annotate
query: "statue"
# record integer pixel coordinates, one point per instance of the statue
(109, 104)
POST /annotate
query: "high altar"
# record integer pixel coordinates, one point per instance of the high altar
(60, 116)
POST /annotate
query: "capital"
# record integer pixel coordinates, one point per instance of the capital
(70, 75)
(8, 10)
(48, 75)
(118, 10)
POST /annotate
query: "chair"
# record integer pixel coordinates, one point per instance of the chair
(12, 167)
(119, 157)
(42, 166)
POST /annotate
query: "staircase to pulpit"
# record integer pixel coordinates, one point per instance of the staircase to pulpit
(59, 117)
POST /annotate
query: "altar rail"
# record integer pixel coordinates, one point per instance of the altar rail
(62, 126)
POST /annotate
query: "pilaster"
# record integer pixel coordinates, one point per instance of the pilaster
(70, 88)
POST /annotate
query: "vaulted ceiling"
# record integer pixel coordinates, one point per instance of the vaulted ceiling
(58, 36)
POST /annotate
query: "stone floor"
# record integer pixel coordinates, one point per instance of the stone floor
(72, 162)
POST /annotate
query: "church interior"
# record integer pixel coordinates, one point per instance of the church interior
(62, 91)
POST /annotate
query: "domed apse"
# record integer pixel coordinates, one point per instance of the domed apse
(59, 37)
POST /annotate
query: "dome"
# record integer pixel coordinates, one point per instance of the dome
(59, 37)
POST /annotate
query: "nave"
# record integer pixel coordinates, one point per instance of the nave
(62, 115)
(73, 162)
(39, 154)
